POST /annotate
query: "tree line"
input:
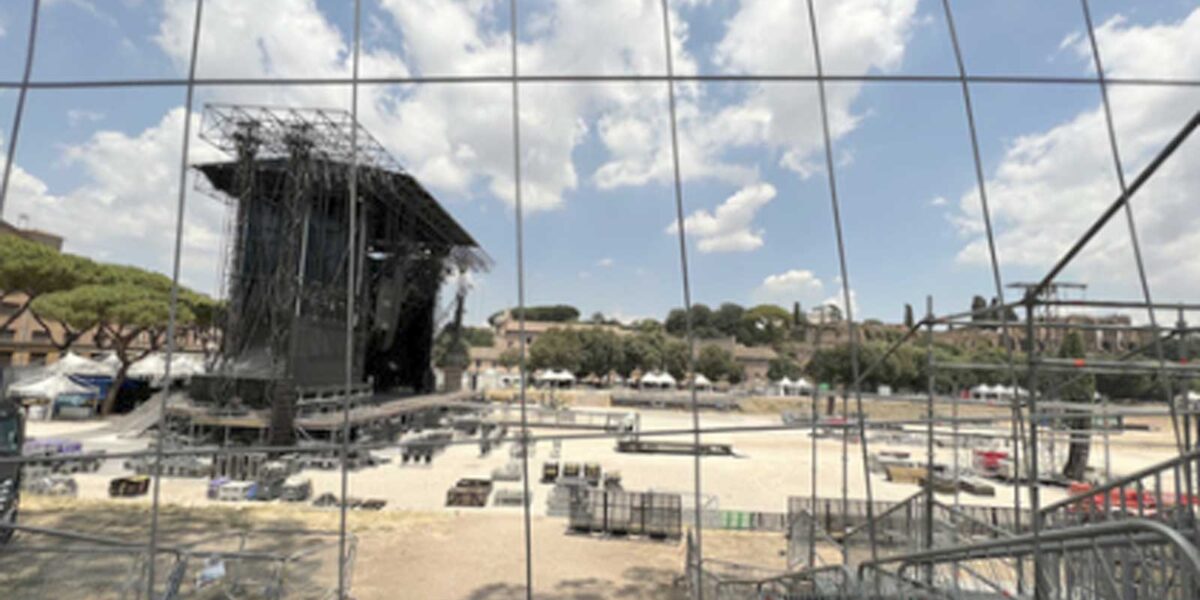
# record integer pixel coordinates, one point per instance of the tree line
(125, 308)
(600, 353)
(760, 325)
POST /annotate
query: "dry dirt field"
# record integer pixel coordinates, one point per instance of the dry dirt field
(460, 555)
(417, 548)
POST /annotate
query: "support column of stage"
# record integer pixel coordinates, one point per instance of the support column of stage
(283, 413)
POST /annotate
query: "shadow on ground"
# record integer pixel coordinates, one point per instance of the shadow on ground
(635, 583)
(36, 565)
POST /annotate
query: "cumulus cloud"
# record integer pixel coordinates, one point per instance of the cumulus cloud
(791, 285)
(763, 37)
(1052, 184)
(605, 263)
(729, 228)
(125, 212)
(457, 138)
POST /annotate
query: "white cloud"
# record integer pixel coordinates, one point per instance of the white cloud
(454, 137)
(794, 284)
(763, 37)
(1052, 184)
(728, 228)
(457, 138)
(78, 116)
(125, 212)
(938, 201)
(605, 263)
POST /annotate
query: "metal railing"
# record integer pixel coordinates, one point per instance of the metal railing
(1163, 492)
(1128, 559)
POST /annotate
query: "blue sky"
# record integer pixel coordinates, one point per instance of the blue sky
(100, 166)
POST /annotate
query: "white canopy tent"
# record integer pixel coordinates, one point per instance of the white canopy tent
(790, 387)
(46, 390)
(74, 364)
(111, 361)
(657, 380)
(556, 378)
(984, 391)
(154, 367)
(701, 382)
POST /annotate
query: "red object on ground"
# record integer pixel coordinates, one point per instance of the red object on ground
(989, 460)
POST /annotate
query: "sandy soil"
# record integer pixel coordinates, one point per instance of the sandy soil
(468, 555)
(417, 548)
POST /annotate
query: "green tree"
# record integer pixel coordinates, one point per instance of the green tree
(602, 352)
(557, 349)
(676, 322)
(674, 357)
(638, 353)
(557, 313)
(727, 318)
(121, 313)
(783, 367)
(704, 322)
(648, 326)
(717, 363)
(831, 365)
(764, 325)
(653, 351)
(35, 269)
(1078, 389)
(510, 358)
(909, 321)
(209, 318)
(978, 304)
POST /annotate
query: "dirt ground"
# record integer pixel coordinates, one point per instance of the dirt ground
(418, 548)
(465, 554)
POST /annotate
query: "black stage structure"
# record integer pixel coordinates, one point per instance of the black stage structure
(287, 261)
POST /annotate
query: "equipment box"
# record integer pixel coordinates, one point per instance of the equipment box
(122, 487)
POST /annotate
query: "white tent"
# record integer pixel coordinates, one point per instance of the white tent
(154, 367)
(983, 391)
(701, 382)
(74, 364)
(802, 385)
(656, 379)
(789, 387)
(111, 361)
(556, 377)
(48, 388)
